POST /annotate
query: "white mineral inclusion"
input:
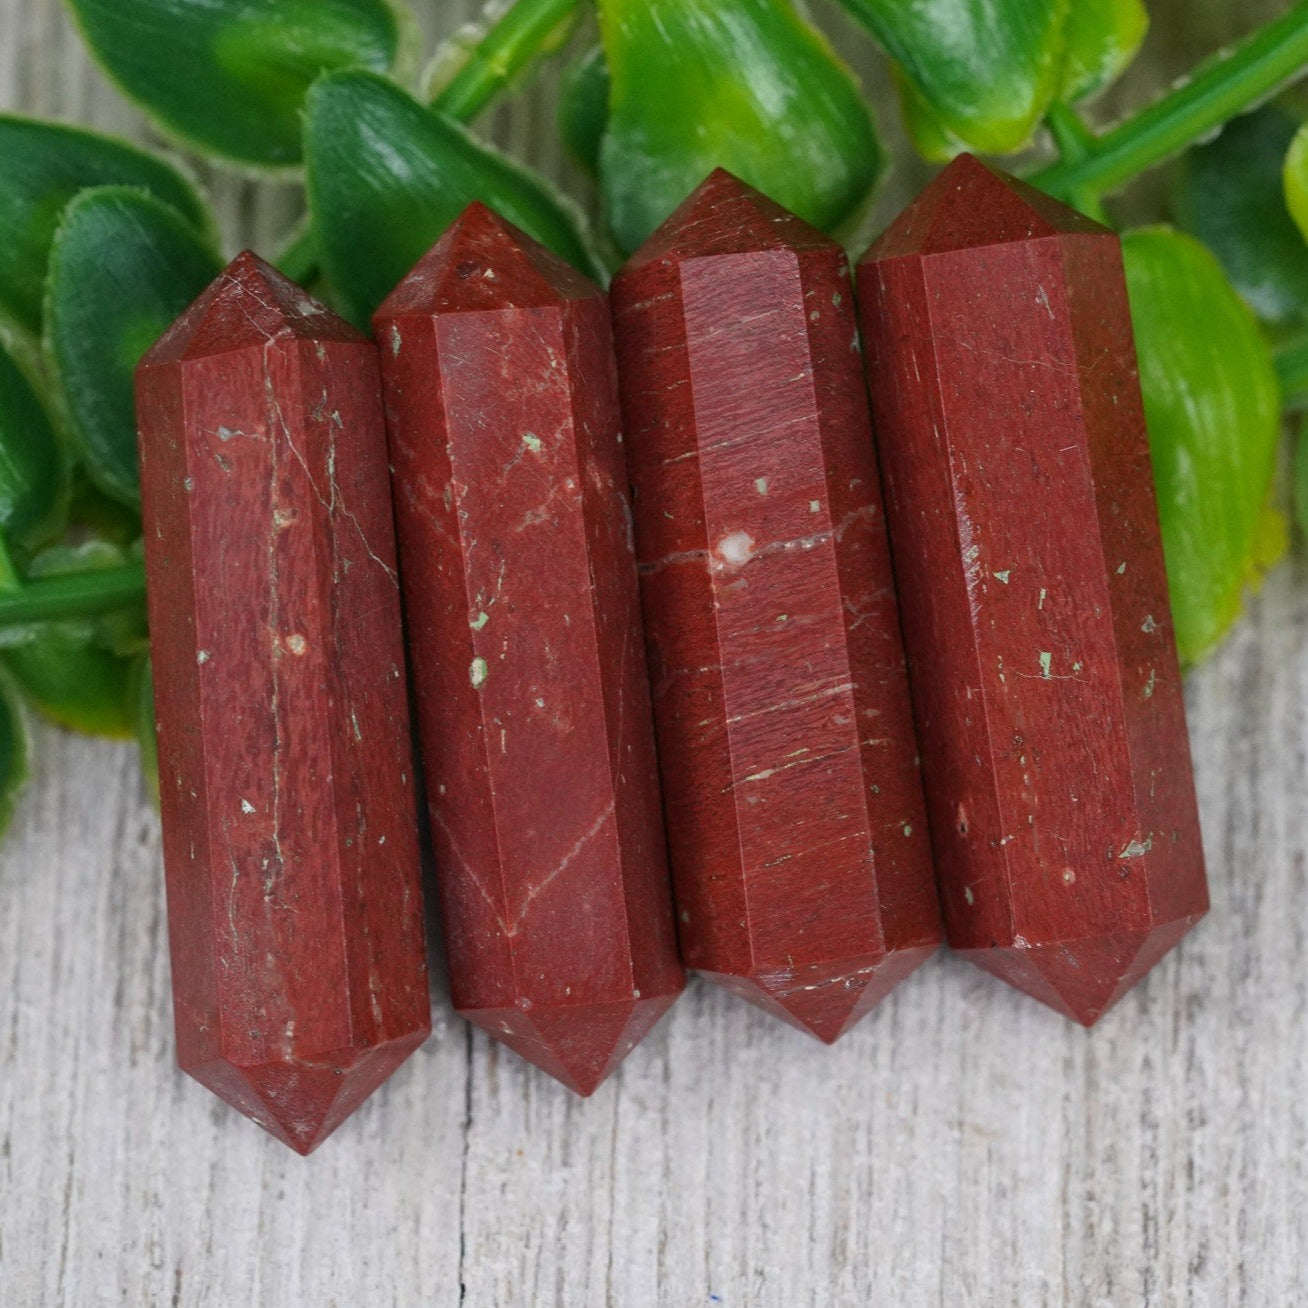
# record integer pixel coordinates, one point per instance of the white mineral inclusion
(735, 548)
(478, 673)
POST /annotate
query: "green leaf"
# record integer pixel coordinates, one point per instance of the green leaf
(1301, 480)
(1296, 180)
(229, 76)
(122, 268)
(74, 672)
(1102, 36)
(1214, 414)
(15, 752)
(1291, 359)
(930, 137)
(584, 108)
(43, 166)
(75, 684)
(986, 69)
(92, 512)
(1229, 193)
(746, 85)
(142, 700)
(33, 469)
(386, 176)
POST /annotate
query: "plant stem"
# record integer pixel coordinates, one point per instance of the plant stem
(1221, 88)
(73, 596)
(1073, 138)
(1074, 141)
(524, 30)
(1292, 370)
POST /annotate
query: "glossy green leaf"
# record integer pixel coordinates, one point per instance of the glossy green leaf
(75, 684)
(584, 108)
(122, 631)
(1229, 193)
(930, 137)
(72, 671)
(43, 165)
(386, 177)
(33, 468)
(987, 69)
(1301, 480)
(1213, 408)
(230, 76)
(15, 752)
(1296, 180)
(1102, 37)
(142, 701)
(1291, 360)
(92, 512)
(122, 268)
(747, 85)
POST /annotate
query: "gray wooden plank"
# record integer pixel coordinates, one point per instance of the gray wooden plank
(961, 1147)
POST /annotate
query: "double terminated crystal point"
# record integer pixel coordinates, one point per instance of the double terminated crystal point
(294, 905)
(1030, 569)
(795, 811)
(523, 617)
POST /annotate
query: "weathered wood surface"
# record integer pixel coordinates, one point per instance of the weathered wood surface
(962, 1146)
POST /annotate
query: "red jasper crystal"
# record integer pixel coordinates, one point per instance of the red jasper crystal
(1030, 571)
(290, 849)
(524, 623)
(795, 811)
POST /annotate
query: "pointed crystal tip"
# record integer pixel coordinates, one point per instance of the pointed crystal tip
(577, 1044)
(724, 215)
(302, 1102)
(248, 303)
(484, 262)
(1082, 979)
(970, 204)
(829, 1000)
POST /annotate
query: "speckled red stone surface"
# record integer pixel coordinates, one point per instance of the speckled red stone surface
(795, 811)
(1030, 571)
(290, 847)
(524, 626)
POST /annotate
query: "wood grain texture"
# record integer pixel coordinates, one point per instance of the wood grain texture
(961, 1147)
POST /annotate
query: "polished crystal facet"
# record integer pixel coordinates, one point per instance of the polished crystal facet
(294, 904)
(524, 627)
(795, 811)
(1030, 570)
